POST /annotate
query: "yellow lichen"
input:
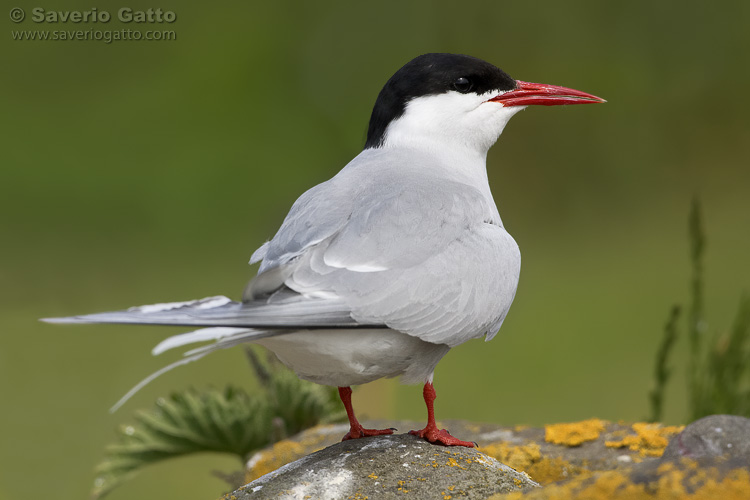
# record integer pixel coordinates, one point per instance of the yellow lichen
(707, 484)
(575, 433)
(529, 458)
(372, 476)
(282, 453)
(517, 457)
(649, 439)
(550, 470)
(267, 461)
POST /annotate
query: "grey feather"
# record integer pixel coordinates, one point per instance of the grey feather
(283, 310)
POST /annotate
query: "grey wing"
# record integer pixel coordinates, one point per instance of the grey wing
(423, 257)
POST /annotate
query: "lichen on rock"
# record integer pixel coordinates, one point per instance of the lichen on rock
(649, 440)
(684, 480)
(575, 433)
(593, 459)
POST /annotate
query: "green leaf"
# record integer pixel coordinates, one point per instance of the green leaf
(229, 421)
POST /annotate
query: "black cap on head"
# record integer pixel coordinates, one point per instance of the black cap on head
(432, 74)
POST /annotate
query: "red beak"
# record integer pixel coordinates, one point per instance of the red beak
(527, 94)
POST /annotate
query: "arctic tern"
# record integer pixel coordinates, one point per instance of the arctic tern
(402, 255)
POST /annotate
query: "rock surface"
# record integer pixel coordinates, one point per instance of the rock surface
(388, 467)
(592, 459)
(715, 435)
(547, 454)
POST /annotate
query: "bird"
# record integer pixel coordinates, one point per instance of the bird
(401, 256)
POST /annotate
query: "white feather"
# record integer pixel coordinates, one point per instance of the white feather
(201, 335)
(140, 385)
(207, 303)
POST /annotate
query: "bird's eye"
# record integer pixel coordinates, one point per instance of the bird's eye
(463, 85)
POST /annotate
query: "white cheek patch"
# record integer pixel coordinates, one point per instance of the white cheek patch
(452, 118)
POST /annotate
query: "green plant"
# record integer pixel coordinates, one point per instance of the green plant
(230, 421)
(661, 371)
(718, 371)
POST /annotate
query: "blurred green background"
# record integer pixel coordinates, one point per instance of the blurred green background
(140, 172)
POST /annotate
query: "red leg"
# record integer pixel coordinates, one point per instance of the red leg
(431, 433)
(356, 430)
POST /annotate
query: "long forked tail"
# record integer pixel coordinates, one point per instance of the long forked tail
(228, 323)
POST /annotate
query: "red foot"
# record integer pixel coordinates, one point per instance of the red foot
(431, 433)
(359, 432)
(356, 430)
(435, 435)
